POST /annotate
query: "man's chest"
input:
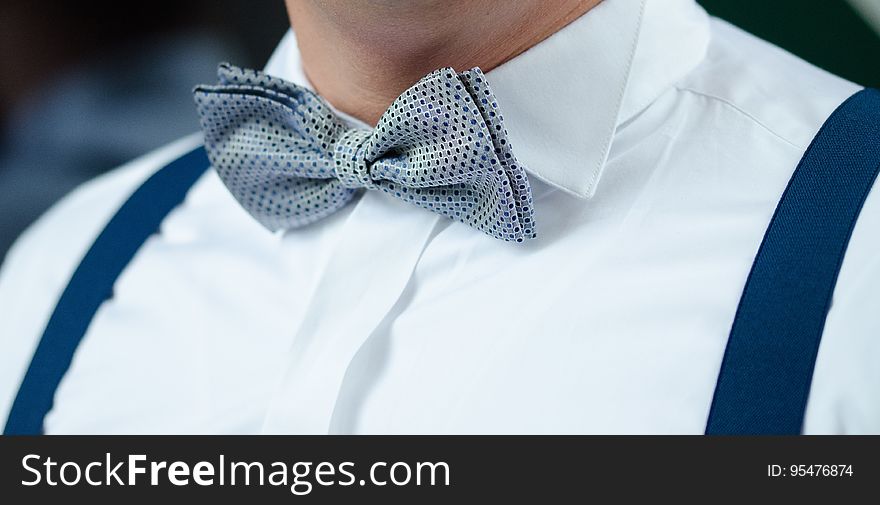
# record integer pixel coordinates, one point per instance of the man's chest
(616, 325)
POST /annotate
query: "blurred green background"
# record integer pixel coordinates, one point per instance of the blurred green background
(832, 34)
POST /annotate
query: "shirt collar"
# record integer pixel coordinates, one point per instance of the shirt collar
(564, 98)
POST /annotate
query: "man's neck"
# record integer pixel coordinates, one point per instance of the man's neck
(361, 54)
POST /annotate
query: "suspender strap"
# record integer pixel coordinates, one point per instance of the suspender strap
(92, 284)
(768, 364)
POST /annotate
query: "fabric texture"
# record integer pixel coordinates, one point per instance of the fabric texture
(288, 159)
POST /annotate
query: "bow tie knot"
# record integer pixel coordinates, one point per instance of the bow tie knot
(350, 162)
(441, 145)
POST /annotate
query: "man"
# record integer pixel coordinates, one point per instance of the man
(656, 144)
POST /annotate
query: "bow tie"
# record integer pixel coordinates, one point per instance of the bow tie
(289, 160)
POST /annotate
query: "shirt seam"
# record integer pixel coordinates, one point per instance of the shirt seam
(745, 113)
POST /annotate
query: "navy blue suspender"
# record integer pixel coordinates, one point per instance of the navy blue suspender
(92, 283)
(768, 364)
(767, 369)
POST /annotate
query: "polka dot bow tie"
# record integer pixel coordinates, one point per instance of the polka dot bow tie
(290, 161)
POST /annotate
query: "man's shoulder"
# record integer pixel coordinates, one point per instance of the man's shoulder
(765, 106)
(71, 225)
(780, 92)
(40, 263)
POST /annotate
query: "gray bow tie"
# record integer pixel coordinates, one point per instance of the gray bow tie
(290, 161)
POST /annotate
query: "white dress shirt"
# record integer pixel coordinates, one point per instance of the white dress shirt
(658, 143)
